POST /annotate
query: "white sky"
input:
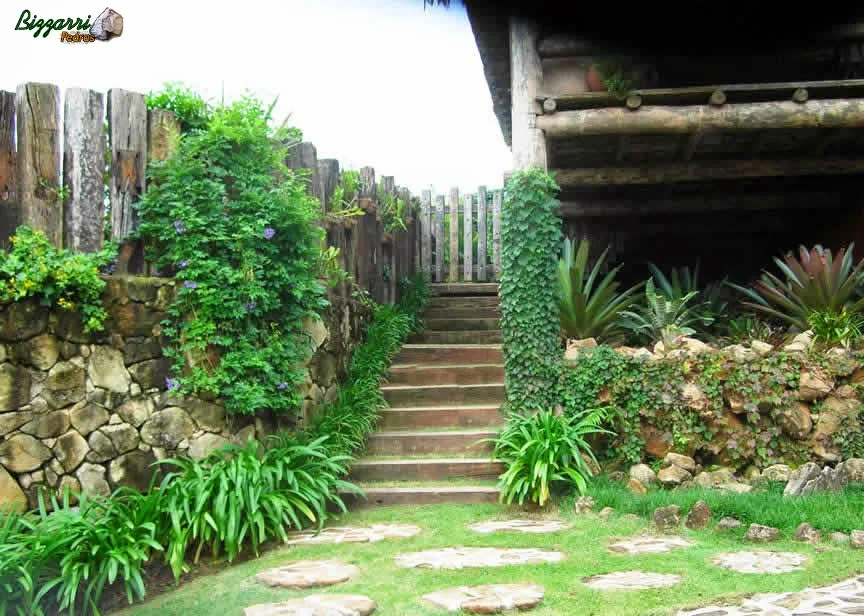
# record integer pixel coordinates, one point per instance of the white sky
(370, 82)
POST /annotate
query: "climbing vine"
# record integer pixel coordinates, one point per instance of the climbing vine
(530, 239)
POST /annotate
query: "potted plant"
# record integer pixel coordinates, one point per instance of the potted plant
(614, 75)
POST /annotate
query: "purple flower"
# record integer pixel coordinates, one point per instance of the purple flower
(283, 385)
(178, 227)
(269, 232)
(250, 306)
(182, 264)
(170, 383)
(190, 284)
(157, 272)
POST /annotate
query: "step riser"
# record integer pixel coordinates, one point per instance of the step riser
(395, 419)
(391, 445)
(438, 396)
(452, 324)
(473, 337)
(467, 312)
(461, 375)
(381, 498)
(384, 471)
(479, 301)
(408, 355)
(464, 288)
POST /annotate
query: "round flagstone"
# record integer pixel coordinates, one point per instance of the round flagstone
(316, 605)
(353, 534)
(650, 545)
(521, 526)
(308, 574)
(487, 599)
(461, 558)
(631, 580)
(761, 561)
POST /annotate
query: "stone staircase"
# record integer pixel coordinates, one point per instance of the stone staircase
(445, 391)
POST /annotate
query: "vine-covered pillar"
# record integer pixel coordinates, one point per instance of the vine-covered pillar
(530, 237)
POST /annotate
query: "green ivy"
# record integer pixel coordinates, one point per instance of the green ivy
(35, 268)
(191, 111)
(530, 239)
(238, 231)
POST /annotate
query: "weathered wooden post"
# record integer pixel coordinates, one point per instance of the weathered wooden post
(454, 234)
(304, 156)
(388, 248)
(10, 215)
(497, 202)
(482, 204)
(37, 112)
(468, 238)
(439, 238)
(426, 233)
(529, 142)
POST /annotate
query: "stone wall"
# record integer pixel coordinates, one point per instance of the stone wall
(90, 411)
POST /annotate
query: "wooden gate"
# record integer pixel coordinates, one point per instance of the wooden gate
(461, 236)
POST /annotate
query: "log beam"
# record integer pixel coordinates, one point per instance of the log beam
(662, 120)
(707, 170)
(526, 74)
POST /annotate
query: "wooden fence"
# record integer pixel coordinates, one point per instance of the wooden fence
(461, 237)
(70, 190)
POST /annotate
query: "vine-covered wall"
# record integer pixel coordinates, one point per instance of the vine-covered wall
(92, 411)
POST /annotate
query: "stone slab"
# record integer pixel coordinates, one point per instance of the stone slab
(308, 574)
(631, 580)
(650, 545)
(316, 605)
(521, 526)
(760, 561)
(354, 534)
(487, 599)
(462, 558)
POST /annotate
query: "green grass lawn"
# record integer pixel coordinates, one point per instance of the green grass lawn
(398, 591)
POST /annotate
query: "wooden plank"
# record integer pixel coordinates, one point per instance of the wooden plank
(468, 238)
(497, 204)
(163, 134)
(453, 202)
(9, 210)
(84, 170)
(482, 205)
(127, 125)
(707, 170)
(388, 250)
(439, 238)
(37, 114)
(328, 171)
(426, 233)
(304, 157)
(658, 120)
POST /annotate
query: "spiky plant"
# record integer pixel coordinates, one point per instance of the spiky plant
(660, 317)
(815, 281)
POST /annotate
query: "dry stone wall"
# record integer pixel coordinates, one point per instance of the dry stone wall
(91, 411)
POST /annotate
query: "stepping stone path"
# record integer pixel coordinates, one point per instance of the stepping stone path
(760, 561)
(316, 605)
(631, 580)
(487, 599)
(308, 574)
(354, 534)
(837, 600)
(522, 526)
(650, 545)
(461, 558)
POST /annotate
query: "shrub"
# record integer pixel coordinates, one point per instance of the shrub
(238, 229)
(589, 311)
(545, 451)
(34, 268)
(815, 281)
(831, 327)
(530, 237)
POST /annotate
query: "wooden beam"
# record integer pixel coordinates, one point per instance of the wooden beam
(707, 170)
(622, 148)
(656, 120)
(526, 73)
(691, 144)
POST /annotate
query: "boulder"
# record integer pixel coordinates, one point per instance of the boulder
(204, 445)
(69, 484)
(839, 538)
(23, 453)
(644, 474)
(814, 385)
(806, 533)
(22, 320)
(208, 416)
(606, 512)
(854, 469)
(761, 348)
(123, 436)
(810, 478)
(107, 369)
(13, 421)
(14, 387)
(575, 346)
(47, 425)
(140, 349)
(244, 435)
(12, 497)
(856, 539)
(65, 385)
(583, 505)
(694, 347)
(729, 524)
(676, 459)
(777, 472)
(740, 352)
(842, 361)
(136, 411)
(699, 516)
(657, 443)
(761, 534)
(92, 479)
(102, 448)
(673, 476)
(667, 519)
(735, 401)
(317, 331)
(133, 470)
(40, 352)
(694, 397)
(636, 487)
(166, 428)
(796, 421)
(70, 450)
(87, 417)
(735, 486)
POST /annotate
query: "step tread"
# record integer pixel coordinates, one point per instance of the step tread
(449, 407)
(454, 345)
(434, 366)
(430, 489)
(447, 386)
(401, 460)
(433, 433)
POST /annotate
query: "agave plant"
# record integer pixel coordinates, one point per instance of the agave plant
(709, 302)
(589, 307)
(661, 318)
(815, 281)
